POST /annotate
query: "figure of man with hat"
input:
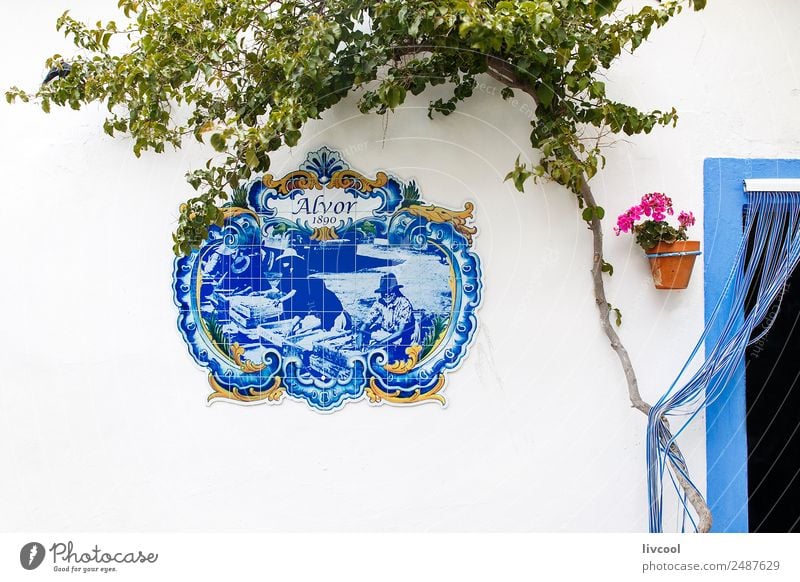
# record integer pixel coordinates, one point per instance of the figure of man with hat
(391, 314)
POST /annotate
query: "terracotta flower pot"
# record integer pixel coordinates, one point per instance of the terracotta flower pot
(672, 264)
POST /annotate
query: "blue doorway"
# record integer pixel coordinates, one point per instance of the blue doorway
(729, 459)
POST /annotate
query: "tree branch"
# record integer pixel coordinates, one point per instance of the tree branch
(506, 74)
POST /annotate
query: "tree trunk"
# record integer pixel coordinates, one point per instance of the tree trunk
(505, 73)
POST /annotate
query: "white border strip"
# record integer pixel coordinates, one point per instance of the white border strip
(509, 557)
(772, 185)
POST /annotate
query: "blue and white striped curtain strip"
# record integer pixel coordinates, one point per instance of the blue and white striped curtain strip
(771, 225)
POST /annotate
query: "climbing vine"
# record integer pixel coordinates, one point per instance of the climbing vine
(244, 77)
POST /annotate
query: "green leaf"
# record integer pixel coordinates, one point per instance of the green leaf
(605, 7)
(291, 137)
(545, 94)
(251, 158)
(395, 95)
(588, 213)
(519, 175)
(218, 142)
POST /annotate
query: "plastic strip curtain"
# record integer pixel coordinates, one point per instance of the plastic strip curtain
(763, 264)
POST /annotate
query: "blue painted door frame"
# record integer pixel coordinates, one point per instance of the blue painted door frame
(726, 437)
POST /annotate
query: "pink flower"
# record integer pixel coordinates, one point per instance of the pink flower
(656, 207)
(626, 220)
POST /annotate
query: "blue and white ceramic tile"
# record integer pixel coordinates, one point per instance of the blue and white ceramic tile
(328, 286)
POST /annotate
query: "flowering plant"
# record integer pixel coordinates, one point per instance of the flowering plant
(655, 229)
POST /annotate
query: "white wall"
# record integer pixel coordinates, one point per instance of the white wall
(103, 419)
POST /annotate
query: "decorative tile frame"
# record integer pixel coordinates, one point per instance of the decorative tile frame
(281, 300)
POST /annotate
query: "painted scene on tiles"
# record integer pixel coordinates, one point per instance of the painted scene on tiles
(328, 286)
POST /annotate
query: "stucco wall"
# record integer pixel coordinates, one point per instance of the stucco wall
(103, 419)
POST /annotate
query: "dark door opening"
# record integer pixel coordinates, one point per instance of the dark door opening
(773, 417)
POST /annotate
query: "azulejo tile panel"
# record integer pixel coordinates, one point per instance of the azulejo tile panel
(327, 286)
